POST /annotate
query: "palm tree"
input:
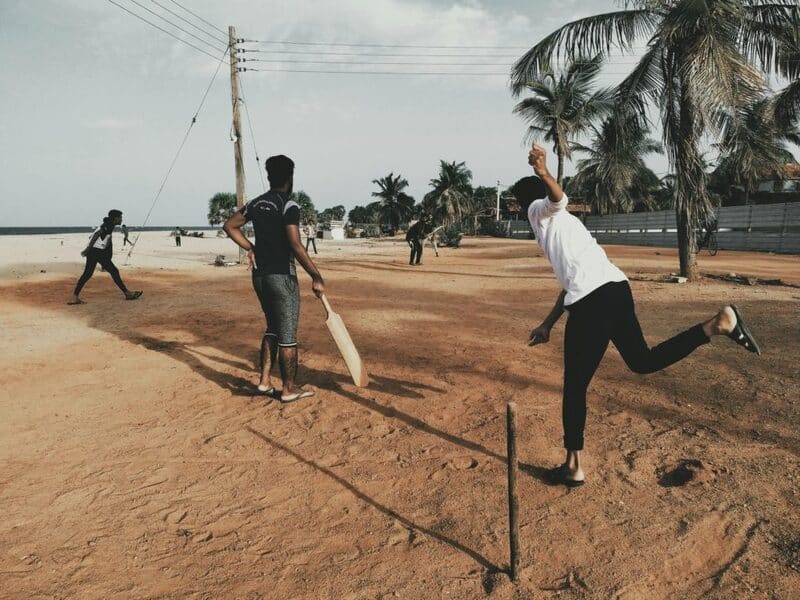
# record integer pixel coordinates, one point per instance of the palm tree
(563, 107)
(754, 147)
(614, 176)
(395, 204)
(701, 62)
(452, 192)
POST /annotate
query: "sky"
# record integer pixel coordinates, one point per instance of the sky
(96, 103)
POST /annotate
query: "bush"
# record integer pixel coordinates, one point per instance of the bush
(371, 231)
(495, 228)
(451, 236)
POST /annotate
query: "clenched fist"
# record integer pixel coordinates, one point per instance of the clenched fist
(537, 158)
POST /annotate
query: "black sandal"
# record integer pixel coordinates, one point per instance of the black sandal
(741, 334)
(558, 476)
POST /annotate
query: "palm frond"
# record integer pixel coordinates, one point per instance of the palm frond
(591, 36)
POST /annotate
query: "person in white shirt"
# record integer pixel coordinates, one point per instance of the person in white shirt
(601, 310)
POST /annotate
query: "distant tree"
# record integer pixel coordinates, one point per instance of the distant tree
(334, 213)
(307, 210)
(220, 208)
(451, 197)
(395, 205)
(754, 147)
(609, 178)
(560, 108)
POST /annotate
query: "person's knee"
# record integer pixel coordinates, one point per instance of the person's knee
(640, 365)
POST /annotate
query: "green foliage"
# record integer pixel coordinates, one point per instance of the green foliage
(220, 208)
(451, 236)
(334, 213)
(451, 198)
(395, 206)
(307, 210)
(564, 106)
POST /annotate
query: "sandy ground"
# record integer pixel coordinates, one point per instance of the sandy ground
(135, 461)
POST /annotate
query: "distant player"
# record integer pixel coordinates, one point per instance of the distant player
(310, 231)
(276, 221)
(99, 250)
(415, 234)
(125, 239)
(178, 237)
(598, 298)
(432, 238)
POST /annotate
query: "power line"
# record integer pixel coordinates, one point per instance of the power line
(174, 25)
(475, 74)
(198, 17)
(211, 35)
(395, 55)
(178, 153)
(162, 29)
(252, 136)
(347, 45)
(341, 62)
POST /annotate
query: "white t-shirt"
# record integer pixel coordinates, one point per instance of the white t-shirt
(101, 243)
(580, 264)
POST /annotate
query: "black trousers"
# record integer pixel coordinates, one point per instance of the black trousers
(416, 252)
(93, 258)
(607, 314)
(310, 240)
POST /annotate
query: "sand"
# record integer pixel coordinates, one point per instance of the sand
(135, 461)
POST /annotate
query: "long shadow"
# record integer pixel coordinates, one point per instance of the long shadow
(403, 268)
(330, 382)
(238, 386)
(477, 557)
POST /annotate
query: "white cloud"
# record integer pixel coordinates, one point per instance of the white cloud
(114, 123)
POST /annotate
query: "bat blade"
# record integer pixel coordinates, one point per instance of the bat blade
(347, 349)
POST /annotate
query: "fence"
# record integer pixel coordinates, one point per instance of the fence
(766, 227)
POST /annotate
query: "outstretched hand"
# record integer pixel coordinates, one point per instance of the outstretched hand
(537, 158)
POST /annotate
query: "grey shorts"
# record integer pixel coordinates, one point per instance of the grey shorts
(279, 296)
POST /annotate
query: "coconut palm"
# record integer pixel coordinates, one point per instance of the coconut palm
(754, 145)
(614, 176)
(395, 204)
(702, 60)
(451, 197)
(563, 107)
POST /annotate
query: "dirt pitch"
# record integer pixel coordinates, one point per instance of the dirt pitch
(136, 463)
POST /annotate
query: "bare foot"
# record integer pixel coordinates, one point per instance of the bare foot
(722, 324)
(75, 300)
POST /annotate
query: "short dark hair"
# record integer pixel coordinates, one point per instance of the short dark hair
(280, 169)
(528, 189)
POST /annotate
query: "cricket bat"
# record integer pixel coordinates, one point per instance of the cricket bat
(346, 347)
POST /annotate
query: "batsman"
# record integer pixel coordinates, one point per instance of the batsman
(276, 221)
(598, 298)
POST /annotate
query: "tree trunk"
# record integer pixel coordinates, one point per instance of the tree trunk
(687, 245)
(560, 177)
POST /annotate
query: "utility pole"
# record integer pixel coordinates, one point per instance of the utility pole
(241, 196)
(497, 214)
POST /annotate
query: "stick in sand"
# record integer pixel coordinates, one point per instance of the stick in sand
(346, 347)
(513, 525)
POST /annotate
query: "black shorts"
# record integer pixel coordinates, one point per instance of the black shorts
(279, 296)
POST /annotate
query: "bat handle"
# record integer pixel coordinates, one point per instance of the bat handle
(326, 304)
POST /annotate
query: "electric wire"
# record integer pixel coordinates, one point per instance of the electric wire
(475, 74)
(175, 26)
(187, 21)
(252, 136)
(178, 153)
(349, 45)
(162, 29)
(198, 17)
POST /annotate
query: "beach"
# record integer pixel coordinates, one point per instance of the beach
(137, 461)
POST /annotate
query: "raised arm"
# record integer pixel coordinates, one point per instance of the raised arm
(299, 251)
(537, 158)
(541, 334)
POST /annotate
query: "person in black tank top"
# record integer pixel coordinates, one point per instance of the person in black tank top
(99, 251)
